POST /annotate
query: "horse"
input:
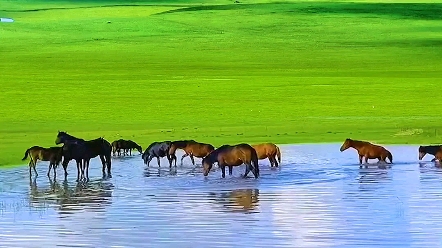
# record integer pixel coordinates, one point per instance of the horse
(423, 150)
(129, 145)
(367, 150)
(116, 147)
(158, 150)
(230, 156)
(84, 150)
(268, 150)
(191, 148)
(52, 154)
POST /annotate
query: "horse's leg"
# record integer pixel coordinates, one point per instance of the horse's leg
(275, 161)
(54, 166)
(109, 165)
(35, 170)
(65, 167)
(360, 161)
(366, 161)
(247, 171)
(78, 170)
(50, 167)
(223, 170)
(185, 155)
(103, 164)
(86, 164)
(230, 170)
(193, 160)
(158, 160)
(30, 167)
(271, 161)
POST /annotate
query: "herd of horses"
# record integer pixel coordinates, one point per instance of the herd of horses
(82, 151)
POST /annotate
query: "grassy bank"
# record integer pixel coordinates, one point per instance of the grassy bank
(219, 72)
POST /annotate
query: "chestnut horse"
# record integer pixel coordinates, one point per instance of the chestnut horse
(268, 150)
(423, 150)
(191, 148)
(367, 150)
(52, 154)
(230, 156)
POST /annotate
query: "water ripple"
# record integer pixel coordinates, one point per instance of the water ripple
(318, 198)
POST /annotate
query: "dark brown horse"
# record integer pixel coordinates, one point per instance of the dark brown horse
(230, 156)
(367, 150)
(52, 154)
(438, 157)
(126, 145)
(270, 151)
(83, 151)
(191, 148)
(423, 150)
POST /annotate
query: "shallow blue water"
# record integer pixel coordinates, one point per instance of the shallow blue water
(318, 198)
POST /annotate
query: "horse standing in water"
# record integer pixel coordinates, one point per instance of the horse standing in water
(157, 150)
(230, 156)
(270, 151)
(423, 150)
(83, 150)
(52, 154)
(126, 145)
(191, 148)
(367, 150)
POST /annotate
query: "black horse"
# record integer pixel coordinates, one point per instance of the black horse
(423, 150)
(158, 150)
(84, 150)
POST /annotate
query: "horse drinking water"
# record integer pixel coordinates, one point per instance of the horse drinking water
(230, 156)
(367, 150)
(157, 150)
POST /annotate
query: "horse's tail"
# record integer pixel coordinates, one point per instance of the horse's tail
(390, 156)
(26, 154)
(278, 154)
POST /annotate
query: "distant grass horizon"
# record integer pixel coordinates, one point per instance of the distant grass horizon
(286, 72)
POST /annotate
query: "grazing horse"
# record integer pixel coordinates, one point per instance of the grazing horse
(191, 148)
(84, 150)
(52, 154)
(129, 145)
(158, 150)
(367, 150)
(230, 156)
(423, 150)
(268, 150)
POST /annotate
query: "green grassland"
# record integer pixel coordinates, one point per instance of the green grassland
(219, 72)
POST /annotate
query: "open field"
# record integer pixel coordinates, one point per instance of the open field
(219, 72)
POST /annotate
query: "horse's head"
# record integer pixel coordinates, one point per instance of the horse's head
(61, 137)
(422, 152)
(207, 166)
(139, 149)
(346, 145)
(145, 156)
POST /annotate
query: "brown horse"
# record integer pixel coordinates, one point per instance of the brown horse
(53, 154)
(367, 150)
(268, 150)
(230, 156)
(438, 157)
(191, 148)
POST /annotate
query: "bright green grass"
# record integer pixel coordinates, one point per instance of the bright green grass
(219, 72)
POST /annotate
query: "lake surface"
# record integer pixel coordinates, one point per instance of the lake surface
(317, 198)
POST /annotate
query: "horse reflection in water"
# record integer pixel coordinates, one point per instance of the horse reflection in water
(90, 196)
(240, 200)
